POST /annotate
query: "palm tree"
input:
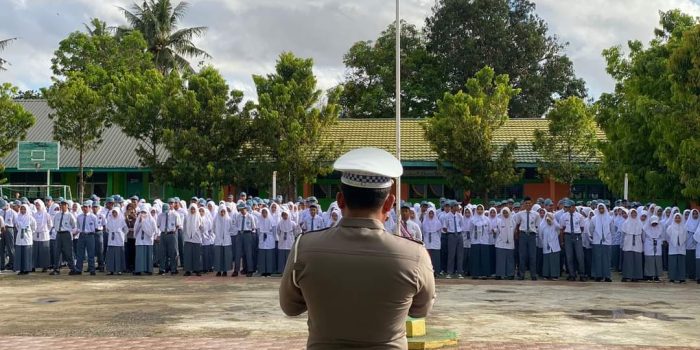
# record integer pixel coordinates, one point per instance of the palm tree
(97, 27)
(158, 21)
(3, 44)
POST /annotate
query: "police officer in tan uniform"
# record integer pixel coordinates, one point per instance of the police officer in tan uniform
(358, 281)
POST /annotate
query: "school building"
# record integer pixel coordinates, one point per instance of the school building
(114, 166)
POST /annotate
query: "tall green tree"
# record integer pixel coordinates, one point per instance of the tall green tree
(569, 145)
(681, 128)
(144, 108)
(206, 144)
(369, 89)
(85, 68)
(635, 116)
(290, 120)
(461, 134)
(507, 35)
(3, 45)
(15, 121)
(169, 45)
(79, 118)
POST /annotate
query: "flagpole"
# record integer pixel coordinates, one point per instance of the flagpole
(398, 116)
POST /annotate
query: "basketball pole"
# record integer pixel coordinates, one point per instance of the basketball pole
(398, 116)
(48, 183)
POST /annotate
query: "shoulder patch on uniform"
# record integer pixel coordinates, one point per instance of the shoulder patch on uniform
(410, 239)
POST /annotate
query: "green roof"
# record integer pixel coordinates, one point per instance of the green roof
(117, 151)
(381, 133)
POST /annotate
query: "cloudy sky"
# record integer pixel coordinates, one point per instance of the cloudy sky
(246, 36)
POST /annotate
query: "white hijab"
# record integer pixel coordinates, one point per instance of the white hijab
(632, 226)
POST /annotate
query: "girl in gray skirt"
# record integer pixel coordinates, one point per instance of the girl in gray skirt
(145, 231)
(25, 225)
(653, 239)
(676, 236)
(116, 229)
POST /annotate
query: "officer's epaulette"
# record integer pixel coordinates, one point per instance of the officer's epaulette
(411, 239)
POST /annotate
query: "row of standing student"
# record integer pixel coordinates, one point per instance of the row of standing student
(583, 241)
(203, 238)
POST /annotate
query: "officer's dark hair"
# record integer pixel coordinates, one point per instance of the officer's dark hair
(364, 198)
(527, 198)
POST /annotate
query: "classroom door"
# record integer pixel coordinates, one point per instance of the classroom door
(134, 184)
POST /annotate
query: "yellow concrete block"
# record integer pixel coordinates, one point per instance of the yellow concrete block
(415, 327)
(434, 339)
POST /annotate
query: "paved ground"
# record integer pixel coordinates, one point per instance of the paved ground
(67, 312)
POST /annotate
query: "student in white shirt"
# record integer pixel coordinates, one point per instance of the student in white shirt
(223, 253)
(548, 231)
(145, 231)
(432, 230)
(266, 244)
(41, 248)
(25, 225)
(116, 227)
(287, 231)
(192, 255)
(676, 237)
(207, 239)
(653, 240)
(632, 247)
(505, 246)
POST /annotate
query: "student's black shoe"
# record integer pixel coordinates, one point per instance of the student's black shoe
(521, 278)
(698, 281)
(137, 273)
(149, 273)
(119, 273)
(582, 279)
(174, 272)
(33, 270)
(234, 274)
(92, 273)
(533, 278)
(484, 278)
(54, 273)
(187, 273)
(198, 274)
(218, 274)
(571, 278)
(608, 280)
(475, 277)
(111, 274)
(625, 280)
(249, 274)
(682, 281)
(161, 273)
(74, 273)
(223, 274)
(510, 278)
(656, 279)
(43, 270)
(498, 278)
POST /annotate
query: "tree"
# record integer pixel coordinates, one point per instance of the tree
(28, 95)
(206, 144)
(507, 35)
(15, 121)
(290, 120)
(681, 127)
(635, 117)
(79, 118)
(169, 46)
(3, 44)
(143, 109)
(461, 134)
(568, 147)
(85, 68)
(369, 89)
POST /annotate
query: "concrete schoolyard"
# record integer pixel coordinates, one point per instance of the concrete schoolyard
(62, 312)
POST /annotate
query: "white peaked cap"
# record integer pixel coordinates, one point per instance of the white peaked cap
(368, 167)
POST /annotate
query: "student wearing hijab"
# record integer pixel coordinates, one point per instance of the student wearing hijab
(505, 246)
(481, 258)
(548, 231)
(130, 244)
(586, 240)
(691, 226)
(287, 230)
(207, 240)
(467, 229)
(696, 237)
(432, 230)
(493, 231)
(193, 241)
(653, 239)
(601, 234)
(619, 217)
(632, 248)
(223, 253)
(41, 246)
(116, 227)
(676, 236)
(25, 226)
(266, 244)
(145, 230)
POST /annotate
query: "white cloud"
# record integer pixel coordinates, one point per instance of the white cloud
(246, 36)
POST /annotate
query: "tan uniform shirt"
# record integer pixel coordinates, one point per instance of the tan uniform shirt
(358, 283)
